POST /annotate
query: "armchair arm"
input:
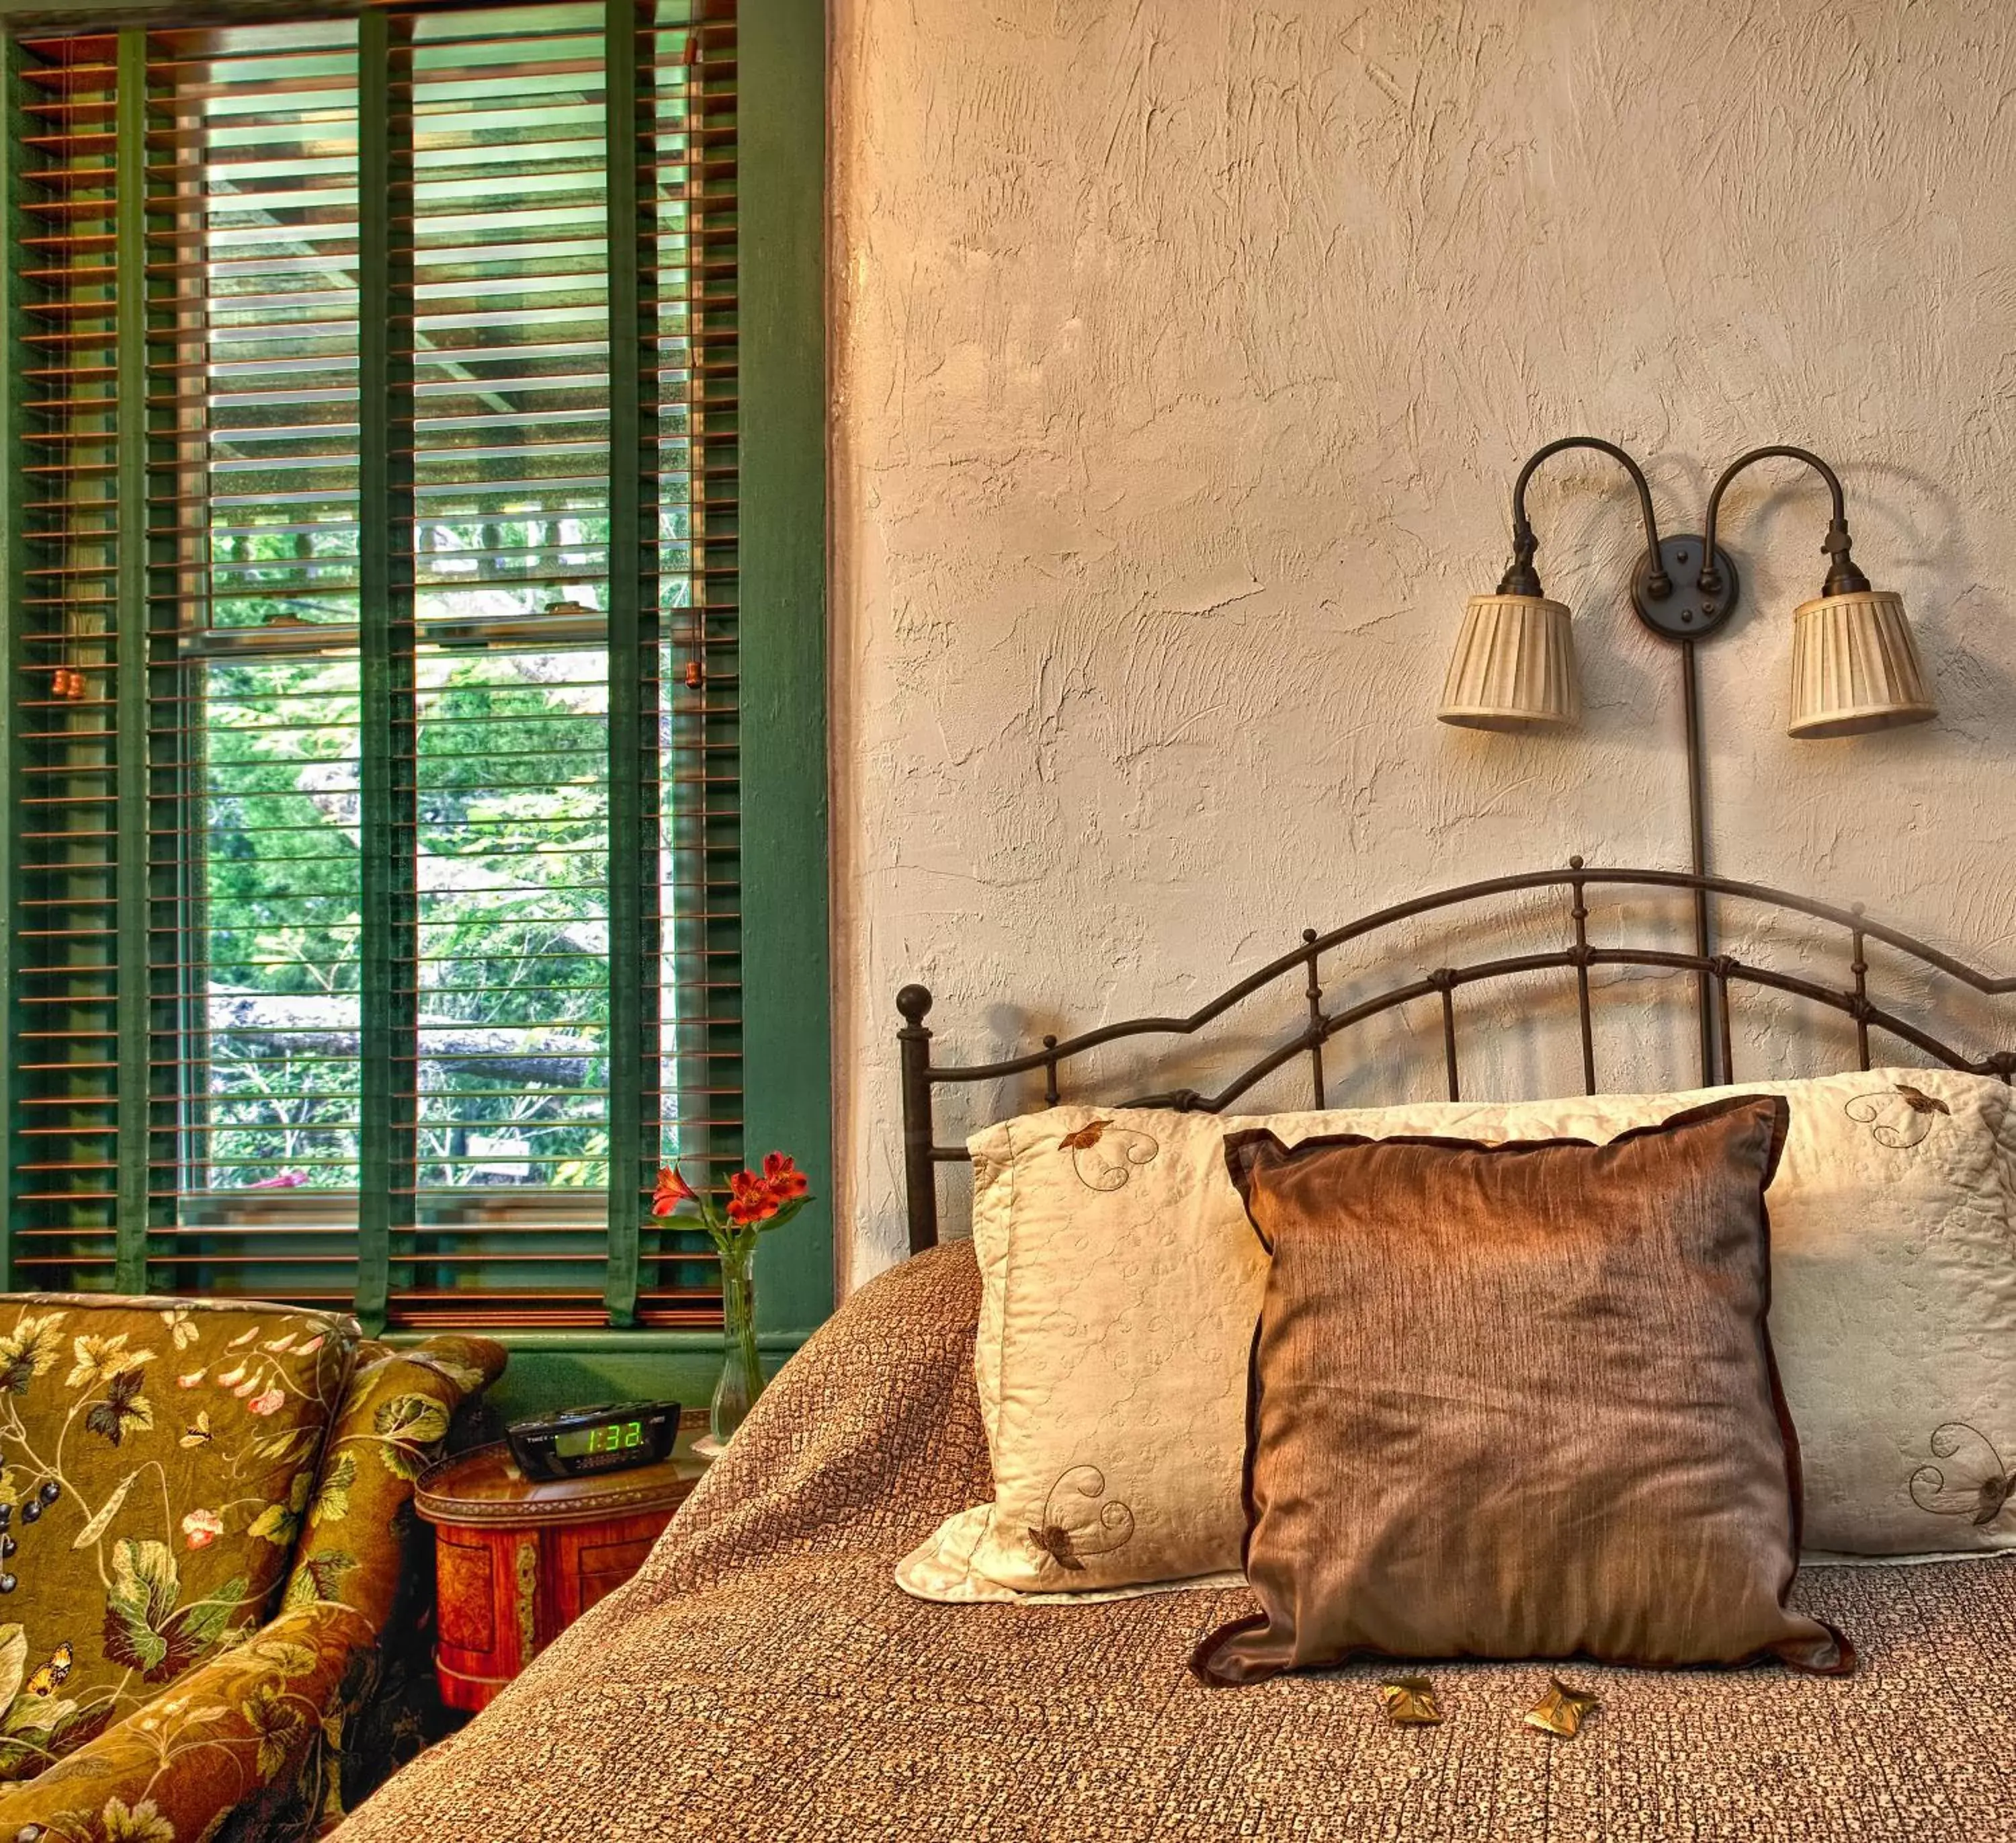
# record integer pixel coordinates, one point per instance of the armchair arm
(212, 1741)
(361, 1546)
(265, 1724)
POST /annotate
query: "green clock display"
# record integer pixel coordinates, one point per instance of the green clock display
(611, 1437)
(605, 1438)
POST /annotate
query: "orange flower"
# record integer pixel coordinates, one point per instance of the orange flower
(750, 1199)
(782, 1177)
(673, 1190)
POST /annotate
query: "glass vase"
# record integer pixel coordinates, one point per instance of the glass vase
(741, 1368)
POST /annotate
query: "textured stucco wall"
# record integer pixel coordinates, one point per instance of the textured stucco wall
(1184, 353)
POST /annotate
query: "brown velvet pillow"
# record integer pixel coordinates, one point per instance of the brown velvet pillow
(1519, 1401)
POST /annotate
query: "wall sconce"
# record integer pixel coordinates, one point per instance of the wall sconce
(1855, 666)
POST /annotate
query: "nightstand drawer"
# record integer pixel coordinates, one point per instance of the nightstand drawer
(599, 1567)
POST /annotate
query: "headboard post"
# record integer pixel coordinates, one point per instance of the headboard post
(919, 1178)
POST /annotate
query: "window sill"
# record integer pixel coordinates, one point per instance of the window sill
(597, 1339)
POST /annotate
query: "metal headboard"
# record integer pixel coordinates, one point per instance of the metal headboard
(1715, 974)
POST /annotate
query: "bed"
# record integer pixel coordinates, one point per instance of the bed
(762, 1676)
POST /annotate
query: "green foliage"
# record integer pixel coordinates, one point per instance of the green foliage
(511, 869)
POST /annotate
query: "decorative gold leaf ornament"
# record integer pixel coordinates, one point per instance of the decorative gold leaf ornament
(1410, 1702)
(1980, 1499)
(1899, 1117)
(1561, 1710)
(1104, 1154)
(1072, 1529)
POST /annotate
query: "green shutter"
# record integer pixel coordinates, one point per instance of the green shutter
(374, 917)
(64, 795)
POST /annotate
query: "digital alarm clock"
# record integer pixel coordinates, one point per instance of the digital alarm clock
(606, 1438)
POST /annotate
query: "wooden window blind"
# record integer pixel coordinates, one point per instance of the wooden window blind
(376, 880)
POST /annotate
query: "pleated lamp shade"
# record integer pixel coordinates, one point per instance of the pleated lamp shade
(1514, 667)
(1855, 666)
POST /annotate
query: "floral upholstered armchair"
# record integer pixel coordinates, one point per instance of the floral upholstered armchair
(206, 1544)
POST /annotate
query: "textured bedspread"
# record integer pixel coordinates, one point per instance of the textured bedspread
(763, 1678)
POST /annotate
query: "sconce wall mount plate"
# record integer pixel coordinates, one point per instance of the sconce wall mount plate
(1687, 611)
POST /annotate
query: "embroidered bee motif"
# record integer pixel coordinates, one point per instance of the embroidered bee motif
(50, 1677)
(1071, 1530)
(1105, 1156)
(1899, 1117)
(1981, 1501)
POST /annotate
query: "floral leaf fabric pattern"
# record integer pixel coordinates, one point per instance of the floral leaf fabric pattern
(278, 1721)
(123, 1406)
(98, 1359)
(408, 1424)
(120, 1823)
(129, 1553)
(279, 1524)
(101, 1519)
(164, 1700)
(376, 1557)
(13, 1663)
(33, 1712)
(332, 1501)
(234, 1728)
(144, 1626)
(145, 1588)
(29, 1351)
(399, 1407)
(319, 1577)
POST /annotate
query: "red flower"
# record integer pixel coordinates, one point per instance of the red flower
(783, 1178)
(750, 1199)
(673, 1190)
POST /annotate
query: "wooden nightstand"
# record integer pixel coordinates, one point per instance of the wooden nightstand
(518, 1561)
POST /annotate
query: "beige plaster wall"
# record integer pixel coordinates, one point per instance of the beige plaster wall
(1184, 352)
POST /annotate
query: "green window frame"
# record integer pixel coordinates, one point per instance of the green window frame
(779, 541)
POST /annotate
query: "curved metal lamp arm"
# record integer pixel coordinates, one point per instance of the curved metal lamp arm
(1842, 579)
(1521, 578)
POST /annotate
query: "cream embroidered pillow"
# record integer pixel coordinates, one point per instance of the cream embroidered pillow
(1122, 1285)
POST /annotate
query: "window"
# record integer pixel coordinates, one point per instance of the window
(377, 883)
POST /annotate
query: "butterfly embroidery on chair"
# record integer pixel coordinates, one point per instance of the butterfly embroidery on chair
(1980, 1493)
(1899, 1117)
(50, 1676)
(1105, 1156)
(1070, 1532)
